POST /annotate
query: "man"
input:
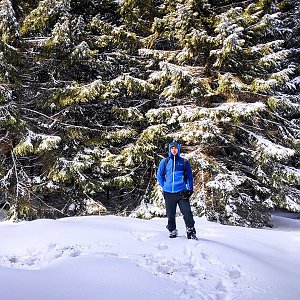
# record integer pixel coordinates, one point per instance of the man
(175, 176)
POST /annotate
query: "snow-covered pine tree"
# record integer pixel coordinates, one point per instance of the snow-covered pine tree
(9, 29)
(78, 114)
(13, 181)
(247, 64)
(104, 86)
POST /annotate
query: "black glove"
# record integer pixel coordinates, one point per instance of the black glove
(187, 194)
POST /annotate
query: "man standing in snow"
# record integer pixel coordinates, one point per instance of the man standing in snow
(175, 176)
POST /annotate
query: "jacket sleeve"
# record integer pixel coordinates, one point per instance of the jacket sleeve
(189, 177)
(160, 171)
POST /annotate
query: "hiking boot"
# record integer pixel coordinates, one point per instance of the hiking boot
(191, 233)
(173, 234)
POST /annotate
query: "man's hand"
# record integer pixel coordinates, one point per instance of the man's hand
(187, 194)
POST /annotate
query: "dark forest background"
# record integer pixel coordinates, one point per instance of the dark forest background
(92, 92)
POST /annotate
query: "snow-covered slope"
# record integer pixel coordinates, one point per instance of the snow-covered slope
(109, 257)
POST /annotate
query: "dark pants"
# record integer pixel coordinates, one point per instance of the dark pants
(171, 201)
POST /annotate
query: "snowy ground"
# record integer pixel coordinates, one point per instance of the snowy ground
(109, 257)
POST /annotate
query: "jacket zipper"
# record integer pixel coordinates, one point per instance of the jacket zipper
(173, 179)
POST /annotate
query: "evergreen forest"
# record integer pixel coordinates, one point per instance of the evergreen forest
(93, 91)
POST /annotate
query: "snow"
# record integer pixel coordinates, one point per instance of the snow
(273, 150)
(226, 182)
(241, 109)
(112, 257)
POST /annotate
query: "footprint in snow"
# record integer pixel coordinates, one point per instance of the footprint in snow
(37, 259)
(162, 246)
(235, 274)
(221, 290)
(142, 236)
(212, 260)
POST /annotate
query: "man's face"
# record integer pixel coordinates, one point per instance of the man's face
(174, 150)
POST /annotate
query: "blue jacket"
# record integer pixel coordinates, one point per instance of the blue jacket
(174, 179)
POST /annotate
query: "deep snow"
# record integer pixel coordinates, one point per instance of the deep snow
(110, 257)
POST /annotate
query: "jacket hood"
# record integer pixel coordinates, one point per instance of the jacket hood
(177, 146)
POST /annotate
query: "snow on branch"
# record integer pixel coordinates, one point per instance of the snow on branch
(36, 143)
(267, 150)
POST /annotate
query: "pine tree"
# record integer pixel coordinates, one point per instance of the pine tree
(9, 29)
(94, 91)
(246, 65)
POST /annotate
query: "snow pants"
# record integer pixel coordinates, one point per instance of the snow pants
(171, 201)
